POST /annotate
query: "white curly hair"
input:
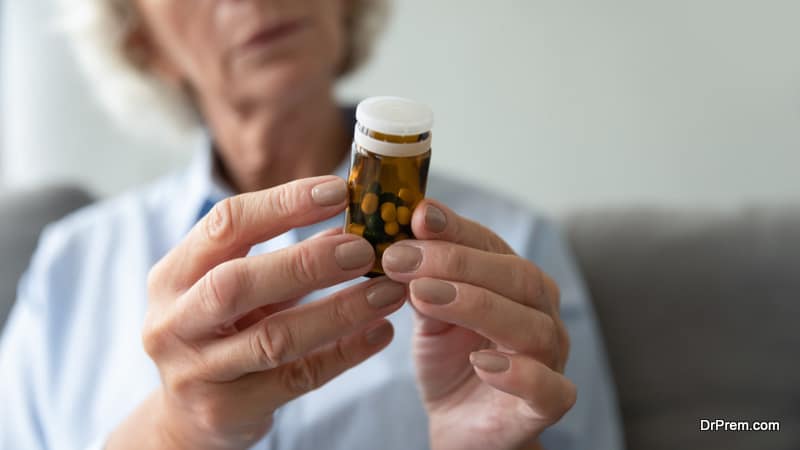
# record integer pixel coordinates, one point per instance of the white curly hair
(135, 97)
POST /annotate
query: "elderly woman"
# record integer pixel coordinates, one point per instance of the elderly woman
(219, 307)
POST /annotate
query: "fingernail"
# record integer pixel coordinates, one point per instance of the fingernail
(435, 220)
(379, 334)
(433, 291)
(354, 254)
(489, 362)
(385, 293)
(402, 258)
(329, 193)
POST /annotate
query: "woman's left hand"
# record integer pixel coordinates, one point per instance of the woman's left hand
(489, 345)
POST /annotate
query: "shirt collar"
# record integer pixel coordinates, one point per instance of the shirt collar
(194, 188)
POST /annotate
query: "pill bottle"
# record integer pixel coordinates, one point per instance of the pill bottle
(390, 157)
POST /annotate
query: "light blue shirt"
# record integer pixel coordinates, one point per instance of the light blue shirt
(72, 365)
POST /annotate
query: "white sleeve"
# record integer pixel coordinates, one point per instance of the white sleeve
(22, 365)
(29, 354)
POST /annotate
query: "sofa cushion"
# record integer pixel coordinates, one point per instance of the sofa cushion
(23, 216)
(699, 311)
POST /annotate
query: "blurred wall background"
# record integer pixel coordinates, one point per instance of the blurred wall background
(560, 103)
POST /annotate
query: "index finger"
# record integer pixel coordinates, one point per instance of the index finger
(239, 222)
(432, 220)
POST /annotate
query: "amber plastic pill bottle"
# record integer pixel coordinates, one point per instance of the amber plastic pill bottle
(389, 170)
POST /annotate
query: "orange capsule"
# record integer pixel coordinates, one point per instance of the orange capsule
(407, 196)
(403, 215)
(391, 228)
(369, 204)
(388, 212)
(356, 228)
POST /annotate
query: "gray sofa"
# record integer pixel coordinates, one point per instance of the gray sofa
(24, 215)
(698, 310)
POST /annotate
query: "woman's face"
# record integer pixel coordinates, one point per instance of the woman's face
(245, 52)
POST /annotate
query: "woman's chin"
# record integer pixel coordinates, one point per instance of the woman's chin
(283, 82)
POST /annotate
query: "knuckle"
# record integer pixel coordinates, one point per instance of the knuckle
(456, 261)
(456, 228)
(220, 224)
(303, 375)
(565, 344)
(483, 301)
(491, 242)
(282, 201)
(341, 354)
(342, 313)
(562, 399)
(486, 239)
(550, 341)
(210, 415)
(270, 344)
(304, 269)
(212, 298)
(157, 335)
(154, 340)
(544, 341)
(181, 385)
(530, 278)
(570, 397)
(537, 383)
(154, 281)
(554, 292)
(502, 246)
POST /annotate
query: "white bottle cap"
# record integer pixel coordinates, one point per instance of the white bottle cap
(395, 116)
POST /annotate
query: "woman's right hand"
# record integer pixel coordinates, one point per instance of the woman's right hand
(230, 343)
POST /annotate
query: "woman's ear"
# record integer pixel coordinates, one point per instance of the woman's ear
(143, 51)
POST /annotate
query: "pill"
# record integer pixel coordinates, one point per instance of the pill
(388, 212)
(391, 228)
(403, 215)
(407, 196)
(369, 204)
(400, 237)
(356, 228)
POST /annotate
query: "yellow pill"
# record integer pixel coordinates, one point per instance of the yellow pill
(356, 228)
(391, 228)
(388, 212)
(369, 204)
(400, 237)
(407, 196)
(403, 215)
(380, 248)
